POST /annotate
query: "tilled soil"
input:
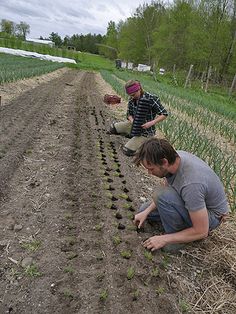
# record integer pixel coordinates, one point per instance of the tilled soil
(68, 196)
(66, 189)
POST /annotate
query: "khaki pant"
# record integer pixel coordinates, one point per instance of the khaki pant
(124, 128)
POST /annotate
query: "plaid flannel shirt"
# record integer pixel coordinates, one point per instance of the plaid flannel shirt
(143, 110)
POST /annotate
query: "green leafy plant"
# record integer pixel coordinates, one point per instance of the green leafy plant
(31, 246)
(124, 196)
(148, 255)
(67, 293)
(126, 254)
(32, 271)
(155, 272)
(98, 227)
(165, 261)
(130, 273)
(135, 295)
(184, 306)
(130, 216)
(116, 239)
(160, 290)
(69, 270)
(103, 295)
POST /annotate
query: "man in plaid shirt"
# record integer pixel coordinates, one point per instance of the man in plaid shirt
(143, 113)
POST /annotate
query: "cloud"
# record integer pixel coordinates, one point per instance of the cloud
(67, 17)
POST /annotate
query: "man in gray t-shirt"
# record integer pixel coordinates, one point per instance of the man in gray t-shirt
(193, 201)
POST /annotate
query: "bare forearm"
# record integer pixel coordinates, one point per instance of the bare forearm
(186, 235)
(159, 118)
(150, 208)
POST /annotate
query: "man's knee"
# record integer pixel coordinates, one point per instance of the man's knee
(165, 194)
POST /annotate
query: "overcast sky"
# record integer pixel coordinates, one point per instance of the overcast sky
(67, 17)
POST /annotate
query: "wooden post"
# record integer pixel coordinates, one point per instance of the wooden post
(208, 77)
(188, 76)
(174, 77)
(232, 85)
(202, 79)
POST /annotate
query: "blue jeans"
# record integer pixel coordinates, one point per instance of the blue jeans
(170, 211)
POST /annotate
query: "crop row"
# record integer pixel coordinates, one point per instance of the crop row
(13, 68)
(209, 102)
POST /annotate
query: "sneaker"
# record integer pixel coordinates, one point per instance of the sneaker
(112, 129)
(128, 152)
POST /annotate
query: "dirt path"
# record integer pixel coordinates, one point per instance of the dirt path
(68, 195)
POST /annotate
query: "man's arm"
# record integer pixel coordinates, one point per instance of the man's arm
(142, 216)
(198, 231)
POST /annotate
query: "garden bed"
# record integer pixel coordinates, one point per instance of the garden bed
(68, 196)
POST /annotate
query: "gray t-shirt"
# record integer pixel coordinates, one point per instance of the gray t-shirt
(198, 185)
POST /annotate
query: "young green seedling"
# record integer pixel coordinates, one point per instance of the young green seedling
(116, 239)
(155, 272)
(103, 295)
(69, 270)
(32, 271)
(135, 295)
(130, 273)
(160, 290)
(124, 196)
(148, 255)
(67, 293)
(184, 306)
(126, 254)
(31, 246)
(98, 227)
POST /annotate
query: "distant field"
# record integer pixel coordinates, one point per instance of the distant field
(13, 68)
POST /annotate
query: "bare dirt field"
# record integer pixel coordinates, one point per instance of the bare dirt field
(67, 199)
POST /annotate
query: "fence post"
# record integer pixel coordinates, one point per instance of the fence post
(232, 85)
(208, 77)
(188, 76)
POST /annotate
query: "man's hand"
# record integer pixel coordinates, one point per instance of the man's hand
(155, 243)
(140, 218)
(131, 119)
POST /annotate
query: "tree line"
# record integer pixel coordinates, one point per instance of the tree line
(86, 43)
(201, 33)
(10, 29)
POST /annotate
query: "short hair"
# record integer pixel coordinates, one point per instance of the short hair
(154, 150)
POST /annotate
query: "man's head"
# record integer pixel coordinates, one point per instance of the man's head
(157, 156)
(133, 89)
